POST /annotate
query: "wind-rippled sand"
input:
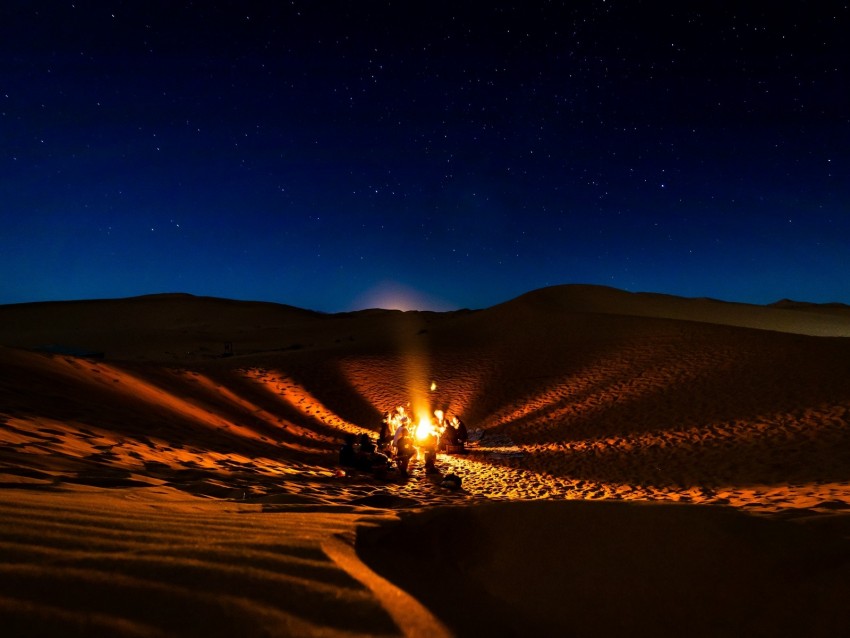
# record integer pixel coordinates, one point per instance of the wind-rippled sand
(688, 463)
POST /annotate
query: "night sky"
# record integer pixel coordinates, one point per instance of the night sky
(340, 155)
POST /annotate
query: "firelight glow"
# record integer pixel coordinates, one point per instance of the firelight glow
(425, 427)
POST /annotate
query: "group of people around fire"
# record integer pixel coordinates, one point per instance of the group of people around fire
(398, 441)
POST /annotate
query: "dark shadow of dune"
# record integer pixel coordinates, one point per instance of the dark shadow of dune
(606, 569)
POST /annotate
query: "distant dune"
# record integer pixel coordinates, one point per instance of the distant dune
(824, 320)
(136, 327)
(169, 467)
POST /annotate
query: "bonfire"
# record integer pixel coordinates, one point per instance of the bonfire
(425, 426)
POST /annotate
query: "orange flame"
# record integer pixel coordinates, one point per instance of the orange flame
(425, 428)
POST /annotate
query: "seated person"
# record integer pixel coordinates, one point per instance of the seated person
(403, 443)
(449, 436)
(429, 449)
(462, 432)
(461, 435)
(347, 454)
(365, 447)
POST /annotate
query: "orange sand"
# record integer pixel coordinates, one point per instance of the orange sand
(166, 490)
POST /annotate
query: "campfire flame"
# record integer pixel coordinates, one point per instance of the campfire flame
(425, 428)
(421, 428)
(418, 419)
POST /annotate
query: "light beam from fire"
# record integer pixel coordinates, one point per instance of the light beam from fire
(417, 377)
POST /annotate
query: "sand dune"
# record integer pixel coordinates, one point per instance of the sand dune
(824, 320)
(156, 486)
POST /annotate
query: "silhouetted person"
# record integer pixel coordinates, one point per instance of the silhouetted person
(462, 432)
(403, 443)
(384, 438)
(370, 459)
(429, 449)
(347, 453)
(449, 437)
(367, 446)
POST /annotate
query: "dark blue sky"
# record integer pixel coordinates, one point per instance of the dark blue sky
(334, 155)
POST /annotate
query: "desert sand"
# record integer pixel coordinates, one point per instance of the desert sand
(640, 465)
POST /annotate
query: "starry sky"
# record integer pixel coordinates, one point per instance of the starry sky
(340, 155)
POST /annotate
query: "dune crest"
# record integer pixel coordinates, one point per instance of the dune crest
(822, 320)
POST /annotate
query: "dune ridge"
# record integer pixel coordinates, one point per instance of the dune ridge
(194, 414)
(824, 320)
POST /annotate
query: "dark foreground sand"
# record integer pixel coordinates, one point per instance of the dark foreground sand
(647, 466)
(607, 569)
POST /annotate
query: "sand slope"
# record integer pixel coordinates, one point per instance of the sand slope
(161, 470)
